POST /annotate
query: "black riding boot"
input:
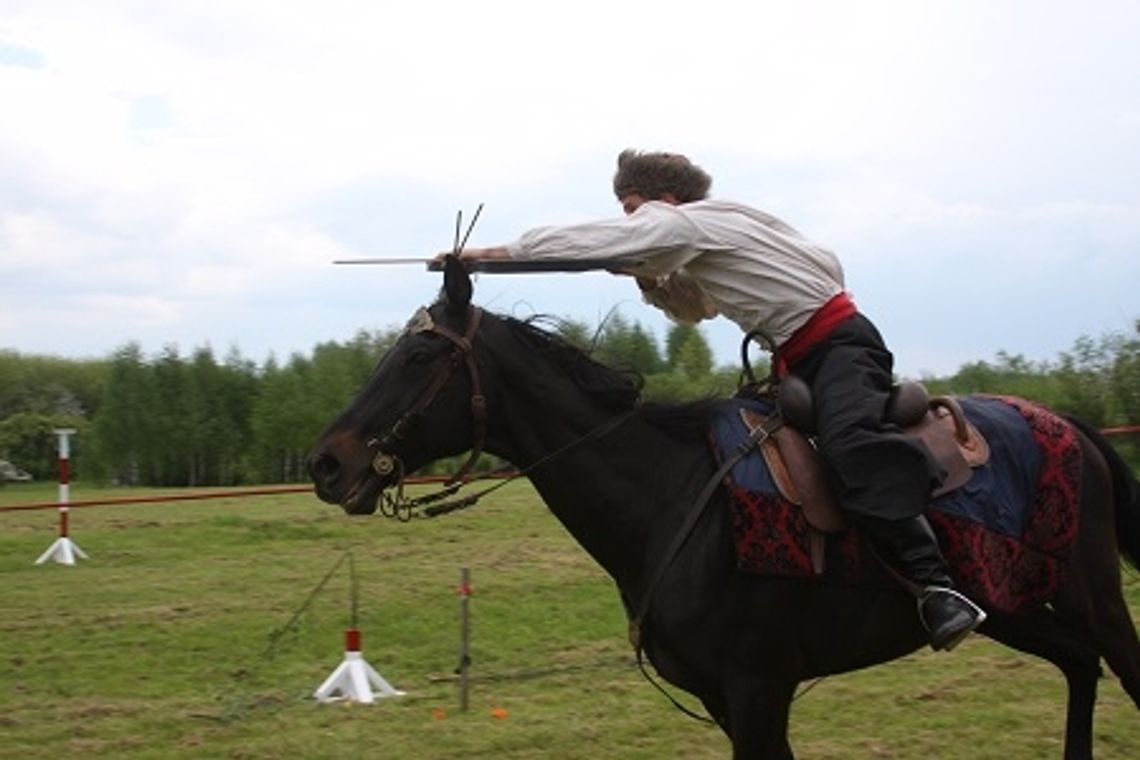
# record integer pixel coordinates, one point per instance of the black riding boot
(911, 548)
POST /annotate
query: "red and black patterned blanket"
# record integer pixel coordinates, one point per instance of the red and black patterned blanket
(1006, 533)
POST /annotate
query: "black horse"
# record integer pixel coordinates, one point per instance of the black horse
(623, 478)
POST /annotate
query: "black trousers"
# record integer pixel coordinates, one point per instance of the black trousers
(879, 474)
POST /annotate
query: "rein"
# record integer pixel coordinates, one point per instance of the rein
(404, 508)
(384, 464)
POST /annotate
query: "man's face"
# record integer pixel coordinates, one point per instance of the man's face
(631, 202)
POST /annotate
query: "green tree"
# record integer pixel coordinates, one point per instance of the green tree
(694, 357)
(675, 337)
(576, 333)
(27, 439)
(219, 404)
(677, 387)
(282, 421)
(1007, 375)
(238, 391)
(1126, 380)
(1084, 377)
(193, 421)
(628, 345)
(170, 449)
(124, 426)
(49, 385)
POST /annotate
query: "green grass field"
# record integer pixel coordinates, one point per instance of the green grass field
(159, 646)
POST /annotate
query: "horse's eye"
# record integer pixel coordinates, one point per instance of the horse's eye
(419, 357)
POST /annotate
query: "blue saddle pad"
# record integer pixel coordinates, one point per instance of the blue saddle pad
(998, 496)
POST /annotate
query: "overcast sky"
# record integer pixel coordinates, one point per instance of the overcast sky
(184, 173)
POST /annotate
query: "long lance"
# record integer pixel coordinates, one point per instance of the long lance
(508, 266)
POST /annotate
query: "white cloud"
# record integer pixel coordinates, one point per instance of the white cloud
(194, 167)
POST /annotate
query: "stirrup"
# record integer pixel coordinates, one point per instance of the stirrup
(978, 613)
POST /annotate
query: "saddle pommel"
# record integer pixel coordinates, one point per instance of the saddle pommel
(907, 405)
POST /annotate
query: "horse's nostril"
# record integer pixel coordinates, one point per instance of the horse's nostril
(323, 467)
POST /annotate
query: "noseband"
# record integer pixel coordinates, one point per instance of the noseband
(384, 463)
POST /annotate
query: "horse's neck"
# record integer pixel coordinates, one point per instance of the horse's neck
(619, 493)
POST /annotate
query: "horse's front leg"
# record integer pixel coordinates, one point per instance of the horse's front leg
(1043, 634)
(758, 710)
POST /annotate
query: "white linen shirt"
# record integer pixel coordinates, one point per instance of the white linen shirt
(751, 267)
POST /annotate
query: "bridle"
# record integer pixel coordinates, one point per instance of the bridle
(385, 463)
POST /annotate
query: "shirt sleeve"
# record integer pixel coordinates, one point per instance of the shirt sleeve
(654, 241)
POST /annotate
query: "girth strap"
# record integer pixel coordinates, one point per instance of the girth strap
(755, 437)
(636, 633)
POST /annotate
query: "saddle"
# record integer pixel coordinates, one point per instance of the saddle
(798, 469)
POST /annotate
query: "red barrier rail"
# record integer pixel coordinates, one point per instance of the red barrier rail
(270, 491)
(156, 498)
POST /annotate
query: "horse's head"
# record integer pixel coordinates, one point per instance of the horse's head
(423, 403)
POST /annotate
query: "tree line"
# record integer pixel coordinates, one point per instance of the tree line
(174, 420)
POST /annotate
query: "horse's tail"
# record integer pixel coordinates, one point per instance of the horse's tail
(1126, 490)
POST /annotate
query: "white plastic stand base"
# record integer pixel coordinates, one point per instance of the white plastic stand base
(354, 679)
(64, 551)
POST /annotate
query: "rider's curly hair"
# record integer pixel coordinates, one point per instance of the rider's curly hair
(653, 175)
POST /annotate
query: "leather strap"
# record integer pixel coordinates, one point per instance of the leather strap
(757, 436)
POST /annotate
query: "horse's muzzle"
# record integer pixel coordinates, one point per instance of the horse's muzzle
(356, 493)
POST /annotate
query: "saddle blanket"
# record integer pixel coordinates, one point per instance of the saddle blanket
(1006, 533)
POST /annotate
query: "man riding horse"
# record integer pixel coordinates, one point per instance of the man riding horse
(695, 257)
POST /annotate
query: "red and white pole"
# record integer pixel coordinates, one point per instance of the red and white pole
(64, 550)
(354, 680)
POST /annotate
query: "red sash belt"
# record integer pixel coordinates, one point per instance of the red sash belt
(813, 332)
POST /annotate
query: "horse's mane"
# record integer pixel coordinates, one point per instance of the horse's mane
(686, 419)
(611, 388)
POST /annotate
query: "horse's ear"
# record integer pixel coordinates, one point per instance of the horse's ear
(456, 284)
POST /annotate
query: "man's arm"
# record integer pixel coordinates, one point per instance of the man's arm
(482, 254)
